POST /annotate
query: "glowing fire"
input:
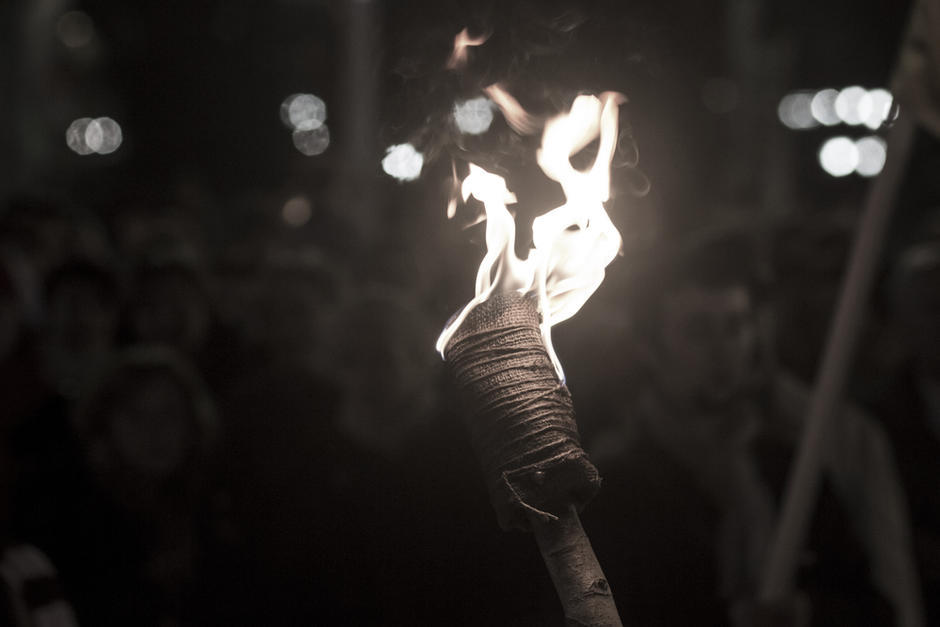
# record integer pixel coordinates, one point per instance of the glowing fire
(462, 41)
(573, 243)
(518, 118)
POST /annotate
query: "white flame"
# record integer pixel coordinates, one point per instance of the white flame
(452, 203)
(573, 243)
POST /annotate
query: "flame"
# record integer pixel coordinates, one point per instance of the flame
(452, 203)
(573, 243)
(518, 118)
(462, 41)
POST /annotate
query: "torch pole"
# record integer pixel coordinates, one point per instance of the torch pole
(803, 483)
(521, 420)
(575, 571)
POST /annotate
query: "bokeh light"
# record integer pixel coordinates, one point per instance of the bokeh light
(795, 110)
(75, 29)
(297, 211)
(881, 101)
(872, 153)
(104, 136)
(474, 116)
(853, 105)
(839, 156)
(75, 136)
(86, 136)
(403, 162)
(303, 112)
(312, 142)
(823, 107)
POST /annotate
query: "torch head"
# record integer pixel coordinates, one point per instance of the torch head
(520, 417)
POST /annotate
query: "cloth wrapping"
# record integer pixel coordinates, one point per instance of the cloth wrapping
(520, 416)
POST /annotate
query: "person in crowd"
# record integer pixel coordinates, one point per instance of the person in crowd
(380, 361)
(36, 228)
(147, 433)
(299, 476)
(169, 305)
(21, 385)
(695, 469)
(48, 232)
(30, 592)
(77, 338)
(82, 311)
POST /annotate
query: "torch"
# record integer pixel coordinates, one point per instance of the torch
(499, 349)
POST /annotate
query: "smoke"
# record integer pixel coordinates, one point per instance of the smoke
(543, 53)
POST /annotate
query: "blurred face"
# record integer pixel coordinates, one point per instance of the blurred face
(80, 319)
(152, 427)
(384, 364)
(709, 337)
(171, 310)
(42, 239)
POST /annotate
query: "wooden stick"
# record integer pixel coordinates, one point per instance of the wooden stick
(803, 482)
(575, 571)
(522, 423)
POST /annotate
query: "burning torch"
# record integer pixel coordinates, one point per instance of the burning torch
(499, 348)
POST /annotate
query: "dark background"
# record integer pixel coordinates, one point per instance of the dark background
(342, 486)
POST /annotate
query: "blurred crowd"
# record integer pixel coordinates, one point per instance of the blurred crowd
(221, 402)
(716, 408)
(173, 432)
(190, 443)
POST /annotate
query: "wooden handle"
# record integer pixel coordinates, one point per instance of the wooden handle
(575, 571)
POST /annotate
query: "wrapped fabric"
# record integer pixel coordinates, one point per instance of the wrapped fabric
(520, 415)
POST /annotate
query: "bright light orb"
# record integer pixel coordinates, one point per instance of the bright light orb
(75, 136)
(100, 135)
(473, 117)
(795, 110)
(303, 112)
(823, 107)
(297, 211)
(872, 154)
(403, 162)
(312, 142)
(839, 156)
(94, 135)
(881, 101)
(104, 136)
(852, 104)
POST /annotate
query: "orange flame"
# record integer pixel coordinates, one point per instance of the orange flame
(573, 243)
(462, 41)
